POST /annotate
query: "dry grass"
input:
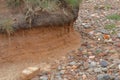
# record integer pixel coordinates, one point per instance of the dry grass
(6, 26)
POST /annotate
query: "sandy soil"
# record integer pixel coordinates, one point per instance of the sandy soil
(34, 47)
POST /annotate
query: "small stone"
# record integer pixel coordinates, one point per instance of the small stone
(86, 25)
(97, 70)
(104, 70)
(59, 67)
(91, 33)
(90, 70)
(104, 31)
(35, 78)
(117, 78)
(72, 63)
(103, 63)
(102, 54)
(84, 77)
(98, 50)
(86, 65)
(106, 36)
(119, 66)
(118, 35)
(74, 67)
(92, 64)
(44, 77)
(99, 39)
(65, 79)
(118, 44)
(108, 41)
(103, 77)
(59, 77)
(62, 71)
(112, 66)
(29, 73)
(91, 57)
(114, 56)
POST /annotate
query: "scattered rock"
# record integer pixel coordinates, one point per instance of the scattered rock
(118, 35)
(103, 63)
(86, 25)
(62, 71)
(97, 70)
(29, 73)
(119, 66)
(72, 63)
(117, 78)
(44, 77)
(84, 77)
(103, 77)
(92, 64)
(35, 78)
(104, 31)
(91, 57)
(104, 69)
(86, 65)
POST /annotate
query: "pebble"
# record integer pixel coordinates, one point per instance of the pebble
(86, 25)
(103, 63)
(86, 65)
(62, 71)
(117, 78)
(119, 66)
(44, 77)
(59, 67)
(84, 76)
(59, 77)
(104, 31)
(103, 77)
(91, 32)
(104, 69)
(97, 70)
(118, 35)
(72, 63)
(92, 64)
(35, 78)
(91, 57)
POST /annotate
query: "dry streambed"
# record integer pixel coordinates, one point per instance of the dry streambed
(36, 47)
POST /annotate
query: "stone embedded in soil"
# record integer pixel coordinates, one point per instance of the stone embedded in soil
(104, 31)
(117, 78)
(97, 70)
(118, 35)
(91, 57)
(104, 69)
(119, 66)
(44, 77)
(62, 71)
(86, 25)
(84, 77)
(103, 63)
(117, 44)
(29, 73)
(92, 64)
(86, 65)
(72, 63)
(35, 78)
(103, 77)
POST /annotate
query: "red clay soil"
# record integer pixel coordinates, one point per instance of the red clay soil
(34, 47)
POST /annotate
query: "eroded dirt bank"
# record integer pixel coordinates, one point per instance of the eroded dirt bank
(34, 47)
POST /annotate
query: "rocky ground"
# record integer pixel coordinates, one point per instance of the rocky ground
(98, 58)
